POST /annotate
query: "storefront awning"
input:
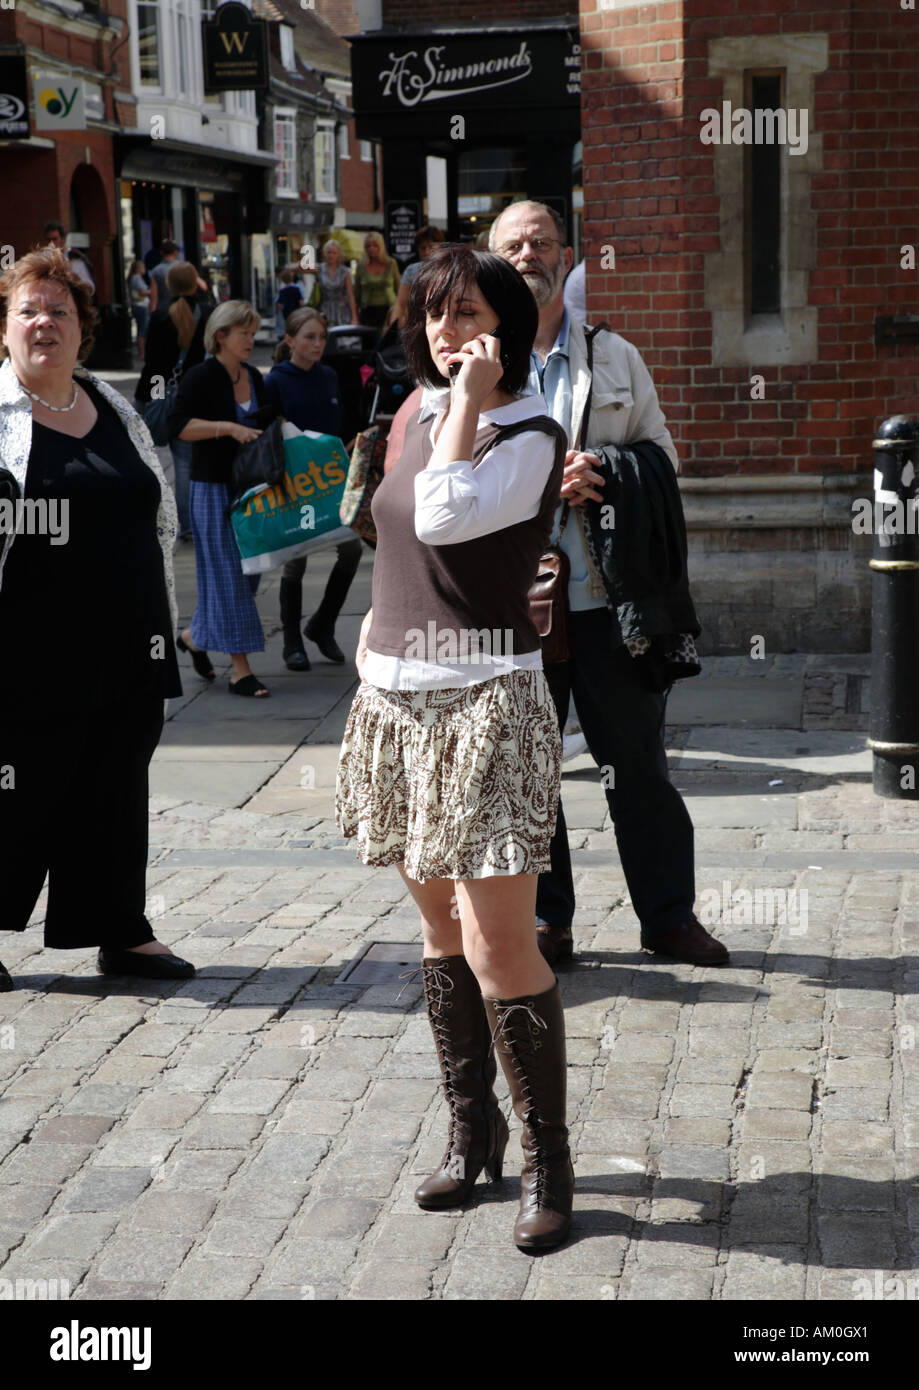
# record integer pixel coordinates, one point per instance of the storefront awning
(194, 166)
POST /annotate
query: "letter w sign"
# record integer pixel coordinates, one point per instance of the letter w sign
(235, 47)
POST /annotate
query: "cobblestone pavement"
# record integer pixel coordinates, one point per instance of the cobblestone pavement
(257, 1132)
(750, 1133)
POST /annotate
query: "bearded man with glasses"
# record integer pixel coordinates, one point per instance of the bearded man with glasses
(621, 717)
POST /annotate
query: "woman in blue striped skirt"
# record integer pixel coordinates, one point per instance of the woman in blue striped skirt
(214, 408)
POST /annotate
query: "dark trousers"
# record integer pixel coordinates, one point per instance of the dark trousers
(623, 723)
(348, 557)
(74, 808)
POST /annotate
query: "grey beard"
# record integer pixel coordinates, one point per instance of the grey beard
(545, 290)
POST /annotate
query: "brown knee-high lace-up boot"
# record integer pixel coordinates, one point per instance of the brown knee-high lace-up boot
(529, 1035)
(478, 1132)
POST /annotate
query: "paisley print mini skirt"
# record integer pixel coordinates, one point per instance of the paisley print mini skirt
(452, 783)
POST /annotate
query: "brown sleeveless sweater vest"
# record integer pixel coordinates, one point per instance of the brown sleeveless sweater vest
(468, 587)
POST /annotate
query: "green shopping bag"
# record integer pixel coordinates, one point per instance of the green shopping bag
(276, 524)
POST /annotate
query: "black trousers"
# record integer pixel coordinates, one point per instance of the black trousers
(347, 559)
(623, 723)
(73, 807)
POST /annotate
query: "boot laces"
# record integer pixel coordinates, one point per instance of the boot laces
(514, 1043)
(438, 983)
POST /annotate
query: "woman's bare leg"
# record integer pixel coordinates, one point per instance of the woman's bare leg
(496, 915)
(439, 921)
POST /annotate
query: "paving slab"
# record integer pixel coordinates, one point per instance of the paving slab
(766, 704)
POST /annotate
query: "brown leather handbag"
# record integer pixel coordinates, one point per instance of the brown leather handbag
(548, 598)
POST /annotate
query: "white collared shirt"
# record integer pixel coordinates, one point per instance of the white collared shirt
(456, 502)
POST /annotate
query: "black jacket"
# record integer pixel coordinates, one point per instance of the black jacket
(206, 393)
(642, 555)
(162, 347)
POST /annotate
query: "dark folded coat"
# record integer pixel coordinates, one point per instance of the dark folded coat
(642, 556)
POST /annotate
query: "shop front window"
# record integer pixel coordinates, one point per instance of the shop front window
(184, 46)
(148, 43)
(324, 155)
(487, 180)
(285, 147)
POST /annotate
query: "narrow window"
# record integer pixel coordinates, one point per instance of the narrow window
(763, 200)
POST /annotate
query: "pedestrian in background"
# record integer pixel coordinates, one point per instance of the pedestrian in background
(306, 393)
(174, 330)
(334, 292)
(289, 298)
(159, 291)
(376, 283)
(621, 711)
(78, 732)
(427, 240)
(214, 406)
(80, 264)
(451, 756)
(139, 293)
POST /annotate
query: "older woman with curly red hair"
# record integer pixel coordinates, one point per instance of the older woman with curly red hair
(87, 524)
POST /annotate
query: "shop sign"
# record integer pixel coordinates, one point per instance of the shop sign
(60, 102)
(14, 98)
(403, 219)
(235, 50)
(468, 71)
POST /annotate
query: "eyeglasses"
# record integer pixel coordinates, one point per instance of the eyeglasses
(57, 311)
(540, 244)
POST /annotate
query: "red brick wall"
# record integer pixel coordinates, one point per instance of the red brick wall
(405, 12)
(356, 178)
(339, 15)
(37, 182)
(649, 190)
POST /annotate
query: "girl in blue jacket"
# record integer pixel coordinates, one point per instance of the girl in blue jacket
(306, 393)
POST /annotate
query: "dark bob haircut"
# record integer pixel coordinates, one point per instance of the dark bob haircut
(443, 279)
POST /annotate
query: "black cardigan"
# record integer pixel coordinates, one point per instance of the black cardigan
(206, 393)
(162, 350)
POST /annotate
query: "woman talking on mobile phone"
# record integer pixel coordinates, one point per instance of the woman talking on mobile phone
(451, 756)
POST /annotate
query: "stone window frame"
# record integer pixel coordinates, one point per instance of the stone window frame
(790, 336)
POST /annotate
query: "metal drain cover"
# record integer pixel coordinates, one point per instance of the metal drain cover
(381, 963)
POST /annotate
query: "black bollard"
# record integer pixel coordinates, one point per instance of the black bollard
(894, 729)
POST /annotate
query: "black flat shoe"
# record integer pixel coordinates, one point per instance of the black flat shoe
(6, 980)
(296, 659)
(249, 685)
(143, 964)
(200, 660)
(326, 644)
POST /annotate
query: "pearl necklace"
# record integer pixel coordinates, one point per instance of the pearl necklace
(58, 409)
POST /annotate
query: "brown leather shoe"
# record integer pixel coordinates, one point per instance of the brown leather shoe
(556, 944)
(529, 1036)
(690, 943)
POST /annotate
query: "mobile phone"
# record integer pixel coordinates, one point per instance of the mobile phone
(455, 367)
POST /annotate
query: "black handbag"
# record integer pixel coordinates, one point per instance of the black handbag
(259, 462)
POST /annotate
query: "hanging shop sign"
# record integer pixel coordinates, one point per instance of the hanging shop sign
(235, 50)
(467, 71)
(60, 102)
(403, 219)
(14, 98)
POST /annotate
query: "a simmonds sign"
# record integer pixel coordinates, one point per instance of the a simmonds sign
(469, 70)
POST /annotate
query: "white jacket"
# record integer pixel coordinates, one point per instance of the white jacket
(16, 445)
(624, 407)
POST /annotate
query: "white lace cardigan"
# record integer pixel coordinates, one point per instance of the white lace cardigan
(16, 445)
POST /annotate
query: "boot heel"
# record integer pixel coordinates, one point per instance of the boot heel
(494, 1166)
